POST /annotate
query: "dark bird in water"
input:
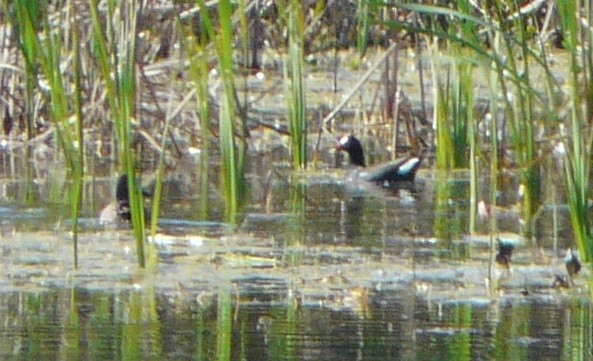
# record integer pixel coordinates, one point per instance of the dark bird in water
(120, 210)
(505, 252)
(560, 281)
(122, 198)
(572, 262)
(400, 170)
(573, 266)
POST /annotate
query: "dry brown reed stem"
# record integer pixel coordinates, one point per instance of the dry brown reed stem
(358, 85)
(354, 90)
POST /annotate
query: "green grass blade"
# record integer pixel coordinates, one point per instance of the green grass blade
(297, 106)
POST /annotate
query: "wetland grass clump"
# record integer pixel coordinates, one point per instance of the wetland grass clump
(456, 137)
(298, 105)
(578, 41)
(78, 163)
(362, 12)
(515, 91)
(44, 45)
(454, 115)
(520, 98)
(158, 188)
(117, 62)
(232, 130)
(196, 44)
(512, 51)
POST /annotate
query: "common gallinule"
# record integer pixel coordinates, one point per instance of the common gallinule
(505, 252)
(573, 266)
(572, 262)
(400, 170)
(120, 210)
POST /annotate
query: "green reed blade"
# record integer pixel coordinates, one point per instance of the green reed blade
(297, 106)
(158, 189)
(224, 325)
(78, 171)
(200, 72)
(232, 147)
(578, 159)
(118, 67)
(45, 54)
(230, 156)
(519, 111)
(362, 17)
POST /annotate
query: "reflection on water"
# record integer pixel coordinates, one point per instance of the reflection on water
(79, 324)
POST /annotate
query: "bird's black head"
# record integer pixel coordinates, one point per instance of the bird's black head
(505, 252)
(122, 197)
(572, 262)
(351, 145)
(121, 190)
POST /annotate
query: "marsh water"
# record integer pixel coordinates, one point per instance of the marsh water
(317, 268)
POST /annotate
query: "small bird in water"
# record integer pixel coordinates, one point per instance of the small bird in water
(505, 252)
(572, 262)
(387, 173)
(573, 266)
(560, 281)
(120, 210)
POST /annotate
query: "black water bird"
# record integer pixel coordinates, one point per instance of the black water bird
(572, 262)
(573, 266)
(400, 170)
(505, 252)
(120, 210)
(560, 281)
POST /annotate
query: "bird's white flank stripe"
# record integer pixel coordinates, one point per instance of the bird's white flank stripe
(408, 165)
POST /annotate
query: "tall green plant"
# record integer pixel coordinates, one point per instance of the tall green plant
(297, 106)
(454, 88)
(224, 325)
(363, 25)
(232, 147)
(518, 95)
(117, 63)
(469, 109)
(520, 113)
(78, 157)
(158, 189)
(26, 14)
(454, 113)
(444, 137)
(577, 165)
(44, 55)
(197, 48)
